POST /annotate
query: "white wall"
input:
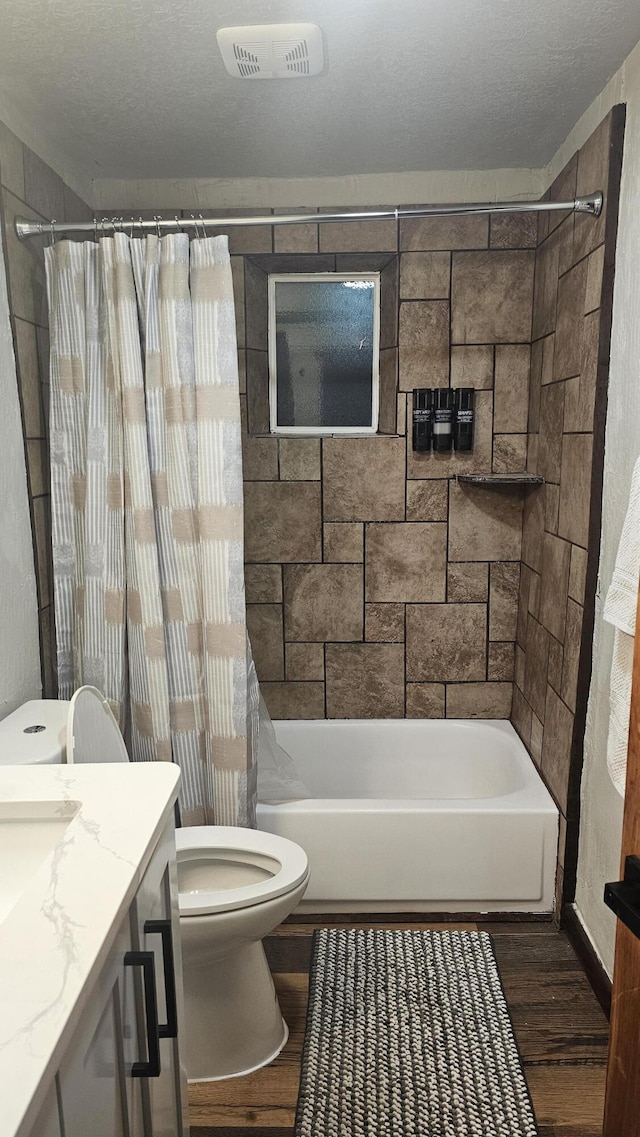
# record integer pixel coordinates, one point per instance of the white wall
(19, 648)
(601, 816)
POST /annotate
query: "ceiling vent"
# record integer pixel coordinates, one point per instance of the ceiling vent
(272, 51)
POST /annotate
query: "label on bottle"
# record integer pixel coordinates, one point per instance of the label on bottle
(464, 416)
(443, 415)
(422, 414)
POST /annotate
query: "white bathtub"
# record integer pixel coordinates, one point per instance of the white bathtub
(418, 815)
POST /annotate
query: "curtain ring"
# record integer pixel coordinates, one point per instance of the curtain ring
(52, 234)
(157, 217)
(95, 228)
(204, 228)
(131, 233)
(103, 221)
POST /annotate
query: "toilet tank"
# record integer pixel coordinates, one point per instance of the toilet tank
(35, 734)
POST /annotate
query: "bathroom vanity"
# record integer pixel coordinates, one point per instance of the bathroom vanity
(90, 963)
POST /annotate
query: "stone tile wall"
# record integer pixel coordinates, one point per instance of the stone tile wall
(561, 533)
(31, 188)
(377, 585)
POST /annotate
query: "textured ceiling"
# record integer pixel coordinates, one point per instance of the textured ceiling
(136, 88)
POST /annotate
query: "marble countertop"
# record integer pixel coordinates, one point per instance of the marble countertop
(56, 936)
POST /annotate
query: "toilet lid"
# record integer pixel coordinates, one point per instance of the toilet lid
(218, 844)
(93, 734)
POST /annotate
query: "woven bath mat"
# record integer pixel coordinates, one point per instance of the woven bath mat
(408, 1035)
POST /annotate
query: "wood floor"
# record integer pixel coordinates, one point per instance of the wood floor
(560, 1029)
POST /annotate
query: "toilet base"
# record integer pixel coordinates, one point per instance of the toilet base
(232, 1016)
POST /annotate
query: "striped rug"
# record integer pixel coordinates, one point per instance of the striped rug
(408, 1035)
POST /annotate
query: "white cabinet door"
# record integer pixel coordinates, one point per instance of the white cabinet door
(156, 928)
(98, 1094)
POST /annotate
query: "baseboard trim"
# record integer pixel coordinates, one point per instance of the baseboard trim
(581, 944)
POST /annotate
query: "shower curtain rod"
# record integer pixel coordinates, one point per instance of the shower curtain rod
(591, 203)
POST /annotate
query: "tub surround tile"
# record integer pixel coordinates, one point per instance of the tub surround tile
(521, 716)
(25, 264)
(491, 297)
(467, 582)
(551, 426)
(577, 573)
(484, 524)
(256, 307)
(536, 666)
(43, 188)
(551, 507)
(259, 458)
(556, 556)
(580, 392)
(546, 287)
(263, 584)
(556, 747)
(503, 600)
(294, 700)
(595, 276)
(479, 700)
(554, 675)
(428, 233)
(365, 680)
(295, 238)
(344, 542)
(388, 298)
(388, 380)
(537, 734)
(500, 661)
(323, 602)
(299, 459)
(572, 290)
(472, 366)
(446, 642)
(511, 388)
(282, 522)
(405, 562)
(518, 666)
(593, 170)
(427, 500)
(571, 654)
(509, 453)
(424, 344)
(33, 420)
(304, 661)
(357, 236)
(425, 700)
(237, 273)
(364, 479)
(575, 488)
(513, 231)
(384, 623)
(257, 383)
(264, 625)
(425, 276)
(533, 529)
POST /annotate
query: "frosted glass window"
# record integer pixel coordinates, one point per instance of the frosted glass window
(323, 353)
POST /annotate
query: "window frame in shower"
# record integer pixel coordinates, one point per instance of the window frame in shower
(317, 277)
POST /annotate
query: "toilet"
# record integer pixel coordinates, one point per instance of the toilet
(235, 886)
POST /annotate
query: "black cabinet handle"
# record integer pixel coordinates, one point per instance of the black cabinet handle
(623, 896)
(163, 928)
(145, 960)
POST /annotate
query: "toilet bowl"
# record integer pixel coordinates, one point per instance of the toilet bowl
(235, 886)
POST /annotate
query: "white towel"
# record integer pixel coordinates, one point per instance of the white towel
(620, 610)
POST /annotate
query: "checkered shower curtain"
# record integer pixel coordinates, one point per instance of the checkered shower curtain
(147, 525)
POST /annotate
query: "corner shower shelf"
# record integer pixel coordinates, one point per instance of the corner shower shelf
(522, 479)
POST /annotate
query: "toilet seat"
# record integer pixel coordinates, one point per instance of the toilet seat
(195, 842)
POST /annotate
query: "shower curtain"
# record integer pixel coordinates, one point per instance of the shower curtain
(147, 517)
